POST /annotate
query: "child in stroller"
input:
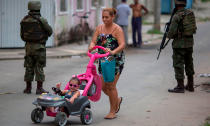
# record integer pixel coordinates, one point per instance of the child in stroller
(73, 91)
(71, 94)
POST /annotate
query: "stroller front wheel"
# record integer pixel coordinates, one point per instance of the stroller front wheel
(61, 119)
(37, 115)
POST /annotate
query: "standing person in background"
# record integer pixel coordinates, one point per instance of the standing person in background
(181, 30)
(110, 36)
(35, 31)
(123, 11)
(137, 22)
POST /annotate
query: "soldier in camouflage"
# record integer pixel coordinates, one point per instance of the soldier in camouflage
(182, 46)
(35, 31)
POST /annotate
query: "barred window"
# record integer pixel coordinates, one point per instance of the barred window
(63, 5)
(80, 4)
(101, 3)
(93, 3)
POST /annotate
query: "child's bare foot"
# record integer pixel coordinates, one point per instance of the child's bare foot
(110, 116)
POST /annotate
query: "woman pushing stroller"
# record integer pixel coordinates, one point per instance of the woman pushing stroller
(110, 36)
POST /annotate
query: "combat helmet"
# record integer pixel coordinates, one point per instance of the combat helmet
(181, 2)
(34, 5)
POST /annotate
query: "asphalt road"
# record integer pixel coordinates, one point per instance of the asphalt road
(143, 85)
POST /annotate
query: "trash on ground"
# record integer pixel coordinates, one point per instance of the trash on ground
(205, 87)
(3, 93)
(204, 75)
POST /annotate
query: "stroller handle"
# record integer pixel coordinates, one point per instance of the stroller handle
(96, 54)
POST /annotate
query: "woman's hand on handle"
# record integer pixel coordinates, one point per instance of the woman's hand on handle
(90, 48)
(110, 51)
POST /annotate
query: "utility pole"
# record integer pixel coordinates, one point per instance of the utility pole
(157, 14)
(115, 3)
(97, 12)
(146, 3)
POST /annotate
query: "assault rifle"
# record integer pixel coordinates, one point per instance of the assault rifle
(164, 42)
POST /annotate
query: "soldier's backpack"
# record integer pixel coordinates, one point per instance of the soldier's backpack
(32, 30)
(188, 23)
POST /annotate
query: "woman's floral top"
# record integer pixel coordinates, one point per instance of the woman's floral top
(108, 41)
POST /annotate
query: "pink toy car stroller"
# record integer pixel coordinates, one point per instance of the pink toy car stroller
(90, 87)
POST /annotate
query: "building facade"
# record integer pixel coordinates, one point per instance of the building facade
(59, 14)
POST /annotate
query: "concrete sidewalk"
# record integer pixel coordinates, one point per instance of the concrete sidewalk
(68, 50)
(52, 52)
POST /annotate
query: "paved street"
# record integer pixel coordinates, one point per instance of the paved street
(143, 85)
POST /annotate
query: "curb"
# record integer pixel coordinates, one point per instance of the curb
(48, 57)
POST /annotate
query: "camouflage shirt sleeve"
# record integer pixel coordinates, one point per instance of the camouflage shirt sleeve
(173, 29)
(21, 34)
(46, 26)
(21, 29)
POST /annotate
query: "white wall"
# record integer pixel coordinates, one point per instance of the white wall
(11, 13)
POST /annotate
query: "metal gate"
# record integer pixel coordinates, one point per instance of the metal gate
(12, 12)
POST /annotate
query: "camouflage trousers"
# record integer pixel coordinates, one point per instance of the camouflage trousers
(183, 60)
(34, 65)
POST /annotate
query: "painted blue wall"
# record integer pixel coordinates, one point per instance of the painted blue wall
(166, 6)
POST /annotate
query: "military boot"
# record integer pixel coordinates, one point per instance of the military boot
(40, 89)
(190, 84)
(179, 88)
(27, 90)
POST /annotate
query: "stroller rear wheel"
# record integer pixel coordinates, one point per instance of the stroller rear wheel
(37, 115)
(86, 117)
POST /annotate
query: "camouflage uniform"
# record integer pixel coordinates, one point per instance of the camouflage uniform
(35, 31)
(182, 49)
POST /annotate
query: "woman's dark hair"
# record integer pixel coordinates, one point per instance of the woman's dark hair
(76, 79)
(112, 11)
